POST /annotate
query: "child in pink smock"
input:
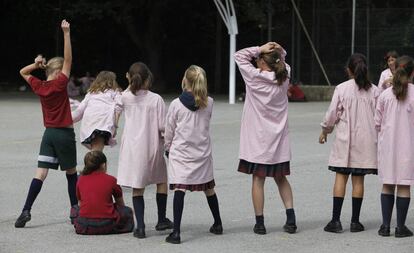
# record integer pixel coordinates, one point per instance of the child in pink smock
(188, 146)
(98, 112)
(385, 80)
(141, 156)
(354, 150)
(394, 119)
(264, 134)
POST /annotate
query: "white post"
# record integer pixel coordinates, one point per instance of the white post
(228, 15)
(232, 70)
(353, 27)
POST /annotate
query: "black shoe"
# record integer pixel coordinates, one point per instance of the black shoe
(290, 228)
(139, 233)
(164, 225)
(23, 218)
(259, 229)
(403, 232)
(357, 227)
(216, 229)
(173, 238)
(334, 227)
(384, 231)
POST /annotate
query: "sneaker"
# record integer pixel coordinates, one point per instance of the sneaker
(259, 229)
(403, 232)
(334, 227)
(164, 225)
(357, 227)
(23, 218)
(139, 233)
(216, 229)
(384, 231)
(173, 238)
(290, 228)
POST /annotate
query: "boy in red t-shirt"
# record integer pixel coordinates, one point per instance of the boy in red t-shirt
(58, 145)
(98, 214)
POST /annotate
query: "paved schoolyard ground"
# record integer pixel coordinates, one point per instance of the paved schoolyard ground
(50, 230)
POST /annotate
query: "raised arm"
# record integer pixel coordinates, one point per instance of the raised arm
(39, 62)
(244, 57)
(67, 49)
(77, 114)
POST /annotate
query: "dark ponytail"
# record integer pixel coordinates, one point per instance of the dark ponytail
(140, 77)
(93, 161)
(275, 63)
(357, 64)
(404, 67)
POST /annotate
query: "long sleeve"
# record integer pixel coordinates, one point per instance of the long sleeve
(379, 113)
(170, 126)
(333, 113)
(161, 116)
(243, 60)
(77, 115)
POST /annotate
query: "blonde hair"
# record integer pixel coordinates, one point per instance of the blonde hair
(195, 79)
(56, 63)
(105, 80)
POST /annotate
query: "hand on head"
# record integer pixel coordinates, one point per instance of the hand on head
(65, 26)
(269, 47)
(40, 61)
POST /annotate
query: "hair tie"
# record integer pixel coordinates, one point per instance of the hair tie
(277, 60)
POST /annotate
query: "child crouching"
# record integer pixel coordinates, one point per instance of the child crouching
(97, 213)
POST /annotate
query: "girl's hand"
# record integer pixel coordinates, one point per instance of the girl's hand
(388, 82)
(65, 26)
(323, 137)
(40, 61)
(268, 47)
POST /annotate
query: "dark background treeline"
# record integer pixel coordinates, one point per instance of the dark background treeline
(169, 35)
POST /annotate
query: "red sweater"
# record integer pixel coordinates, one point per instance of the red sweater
(95, 192)
(54, 99)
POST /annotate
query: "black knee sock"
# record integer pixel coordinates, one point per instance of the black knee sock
(34, 190)
(260, 219)
(178, 209)
(72, 180)
(337, 208)
(290, 216)
(402, 205)
(387, 204)
(214, 207)
(356, 209)
(139, 206)
(161, 205)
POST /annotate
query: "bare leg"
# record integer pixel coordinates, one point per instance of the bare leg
(258, 194)
(285, 191)
(98, 144)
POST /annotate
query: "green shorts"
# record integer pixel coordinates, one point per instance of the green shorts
(58, 147)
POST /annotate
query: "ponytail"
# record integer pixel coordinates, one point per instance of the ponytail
(404, 69)
(195, 79)
(275, 63)
(93, 161)
(140, 77)
(357, 64)
(56, 63)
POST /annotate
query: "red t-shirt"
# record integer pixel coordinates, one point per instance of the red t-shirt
(54, 99)
(95, 192)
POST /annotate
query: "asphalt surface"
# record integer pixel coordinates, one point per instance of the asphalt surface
(49, 230)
